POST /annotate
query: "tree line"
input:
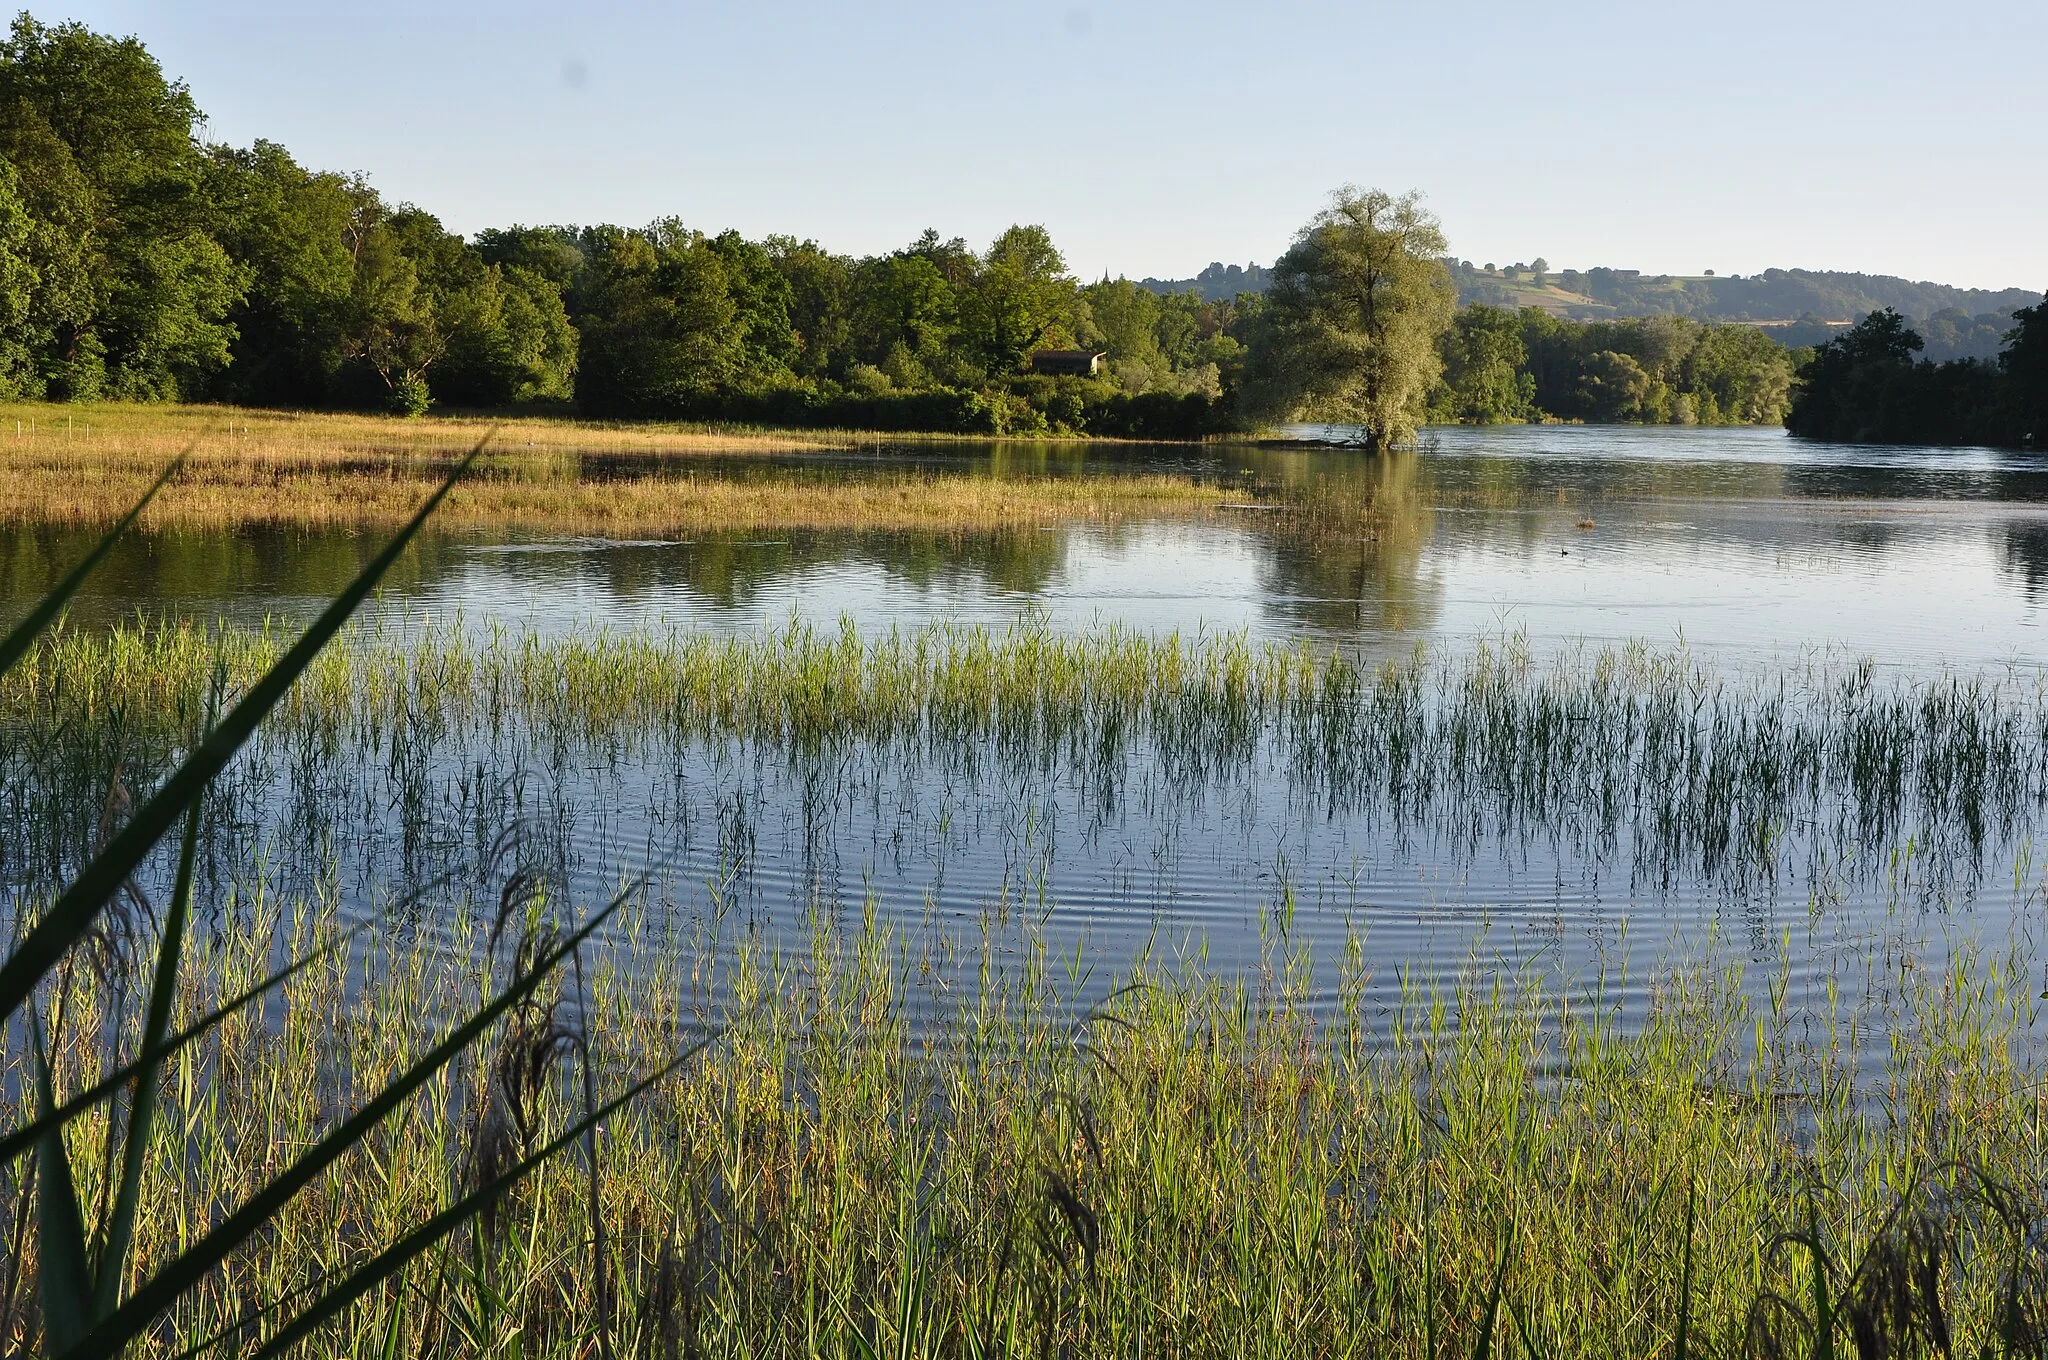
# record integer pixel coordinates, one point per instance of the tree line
(1500, 366)
(140, 262)
(1866, 385)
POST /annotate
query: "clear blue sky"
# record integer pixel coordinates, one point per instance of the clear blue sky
(1151, 138)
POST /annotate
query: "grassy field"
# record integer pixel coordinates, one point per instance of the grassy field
(85, 465)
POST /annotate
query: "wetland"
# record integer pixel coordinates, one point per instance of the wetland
(1243, 863)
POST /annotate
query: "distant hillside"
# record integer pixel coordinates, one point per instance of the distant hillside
(1218, 283)
(1798, 306)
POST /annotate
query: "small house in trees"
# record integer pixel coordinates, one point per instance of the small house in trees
(1071, 363)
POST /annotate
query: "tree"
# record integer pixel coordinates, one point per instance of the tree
(1127, 317)
(509, 340)
(17, 289)
(293, 232)
(136, 290)
(672, 319)
(553, 253)
(819, 289)
(1850, 388)
(1021, 300)
(1352, 318)
(1613, 387)
(390, 323)
(903, 303)
(2025, 364)
(1738, 376)
(1484, 378)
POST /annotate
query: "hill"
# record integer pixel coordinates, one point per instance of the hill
(1797, 306)
(1218, 283)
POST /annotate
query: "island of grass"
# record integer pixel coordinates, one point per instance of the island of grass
(86, 465)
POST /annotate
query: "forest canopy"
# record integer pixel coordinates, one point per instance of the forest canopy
(139, 262)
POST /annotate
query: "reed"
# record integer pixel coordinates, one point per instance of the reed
(1200, 1166)
(1674, 765)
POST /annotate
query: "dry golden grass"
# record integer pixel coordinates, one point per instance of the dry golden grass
(88, 464)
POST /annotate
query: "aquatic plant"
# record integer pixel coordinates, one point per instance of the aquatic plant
(82, 1031)
(1200, 1165)
(1654, 758)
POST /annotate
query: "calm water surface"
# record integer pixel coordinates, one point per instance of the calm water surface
(1743, 546)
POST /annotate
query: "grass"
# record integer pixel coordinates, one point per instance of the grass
(1681, 769)
(87, 465)
(1014, 1154)
(1202, 1166)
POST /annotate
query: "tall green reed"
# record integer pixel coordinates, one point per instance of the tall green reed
(93, 1294)
(1200, 1165)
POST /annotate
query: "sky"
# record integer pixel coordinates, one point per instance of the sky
(1152, 138)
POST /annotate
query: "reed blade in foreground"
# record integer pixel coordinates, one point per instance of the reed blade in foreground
(16, 644)
(396, 1256)
(196, 1262)
(72, 914)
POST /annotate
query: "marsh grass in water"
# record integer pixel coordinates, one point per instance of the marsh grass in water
(267, 467)
(1198, 1166)
(1676, 769)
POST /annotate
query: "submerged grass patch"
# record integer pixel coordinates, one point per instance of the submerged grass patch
(1200, 1166)
(267, 467)
(1682, 768)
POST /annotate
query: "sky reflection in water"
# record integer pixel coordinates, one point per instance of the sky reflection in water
(1744, 545)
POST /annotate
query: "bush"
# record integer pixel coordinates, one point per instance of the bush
(410, 397)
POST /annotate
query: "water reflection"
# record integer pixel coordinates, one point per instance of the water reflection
(1738, 541)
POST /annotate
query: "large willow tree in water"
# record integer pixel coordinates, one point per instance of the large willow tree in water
(1352, 318)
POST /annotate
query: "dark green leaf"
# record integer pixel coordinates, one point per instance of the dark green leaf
(395, 1257)
(27, 1136)
(23, 633)
(72, 914)
(142, 1105)
(63, 1277)
(196, 1261)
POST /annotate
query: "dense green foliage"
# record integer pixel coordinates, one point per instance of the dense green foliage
(1502, 366)
(139, 261)
(1866, 385)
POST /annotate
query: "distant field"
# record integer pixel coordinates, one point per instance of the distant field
(1520, 293)
(88, 464)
